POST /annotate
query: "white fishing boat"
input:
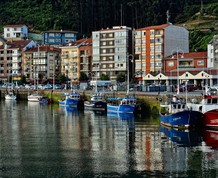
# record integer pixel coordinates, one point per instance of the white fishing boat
(35, 97)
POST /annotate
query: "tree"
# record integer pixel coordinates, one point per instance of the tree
(121, 77)
(104, 77)
(83, 77)
(61, 78)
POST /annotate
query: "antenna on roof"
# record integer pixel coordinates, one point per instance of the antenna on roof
(168, 16)
(121, 15)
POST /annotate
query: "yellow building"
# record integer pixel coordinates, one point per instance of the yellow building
(70, 62)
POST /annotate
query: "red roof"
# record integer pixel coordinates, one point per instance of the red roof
(45, 48)
(155, 27)
(189, 55)
(15, 25)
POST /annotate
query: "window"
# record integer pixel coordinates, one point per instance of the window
(170, 63)
(200, 63)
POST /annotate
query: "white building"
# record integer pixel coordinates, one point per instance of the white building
(212, 53)
(15, 32)
(110, 50)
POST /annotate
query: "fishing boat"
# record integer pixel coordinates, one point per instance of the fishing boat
(34, 97)
(45, 100)
(209, 107)
(72, 100)
(122, 105)
(97, 102)
(10, 96)
(176, 114)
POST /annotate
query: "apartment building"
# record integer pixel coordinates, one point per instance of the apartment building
(111, 48)
(15, 32)
(212, 52)
(154, 43)
(42, 63)
(70, 62)
(59, 37)
(11, 58)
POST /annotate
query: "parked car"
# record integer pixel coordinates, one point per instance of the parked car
(48, 86)
(59, 87)
(190, 87)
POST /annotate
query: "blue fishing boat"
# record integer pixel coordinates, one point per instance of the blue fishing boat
(72, 100)
(122, 105)
(175, 114)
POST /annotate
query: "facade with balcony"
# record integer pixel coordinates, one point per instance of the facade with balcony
(110, 49)
(185, 61)
(11, 59)
(15, 32)
(42, 63)
(70, 62)
(154, 43)
(59, 37)
(212, 52)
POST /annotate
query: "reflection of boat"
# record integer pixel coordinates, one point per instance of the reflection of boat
(175, 114)
(209, 107)
(72, 100)
(182, 137)
(122, 105)
(35, 97)
(123, 116)
(10, 96)
(68, 109)
(210, 137)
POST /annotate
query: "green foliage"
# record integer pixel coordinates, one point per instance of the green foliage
(121, 77)
(83, 77)
(105, 77)
(199, 39)
(61, 78)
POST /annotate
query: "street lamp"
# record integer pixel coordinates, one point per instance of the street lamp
(128, 58)
(177, 57)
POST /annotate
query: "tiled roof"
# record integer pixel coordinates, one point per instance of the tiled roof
(15, 25)
(86, 41)
(45, 48)
(156, 27)
(60, 31)
(189, 55)
(19, 43)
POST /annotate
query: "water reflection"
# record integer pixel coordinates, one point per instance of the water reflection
(182, 137)
(50, 141)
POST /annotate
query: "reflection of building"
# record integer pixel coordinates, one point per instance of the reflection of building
(212, 52)
(110, 50)
(58, 37)
(15, 32)
(11, 58)
(153, 43)
(41, 63)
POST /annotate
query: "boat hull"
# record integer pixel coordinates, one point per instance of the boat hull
(69, 103)
(121, 108)
(210, 118)
(183, 119)
(99, 105)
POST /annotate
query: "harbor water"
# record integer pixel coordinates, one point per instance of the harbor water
(51, 141)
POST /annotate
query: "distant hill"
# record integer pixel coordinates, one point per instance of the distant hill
(202, 26)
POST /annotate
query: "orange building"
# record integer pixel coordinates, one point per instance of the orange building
(154, 43)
